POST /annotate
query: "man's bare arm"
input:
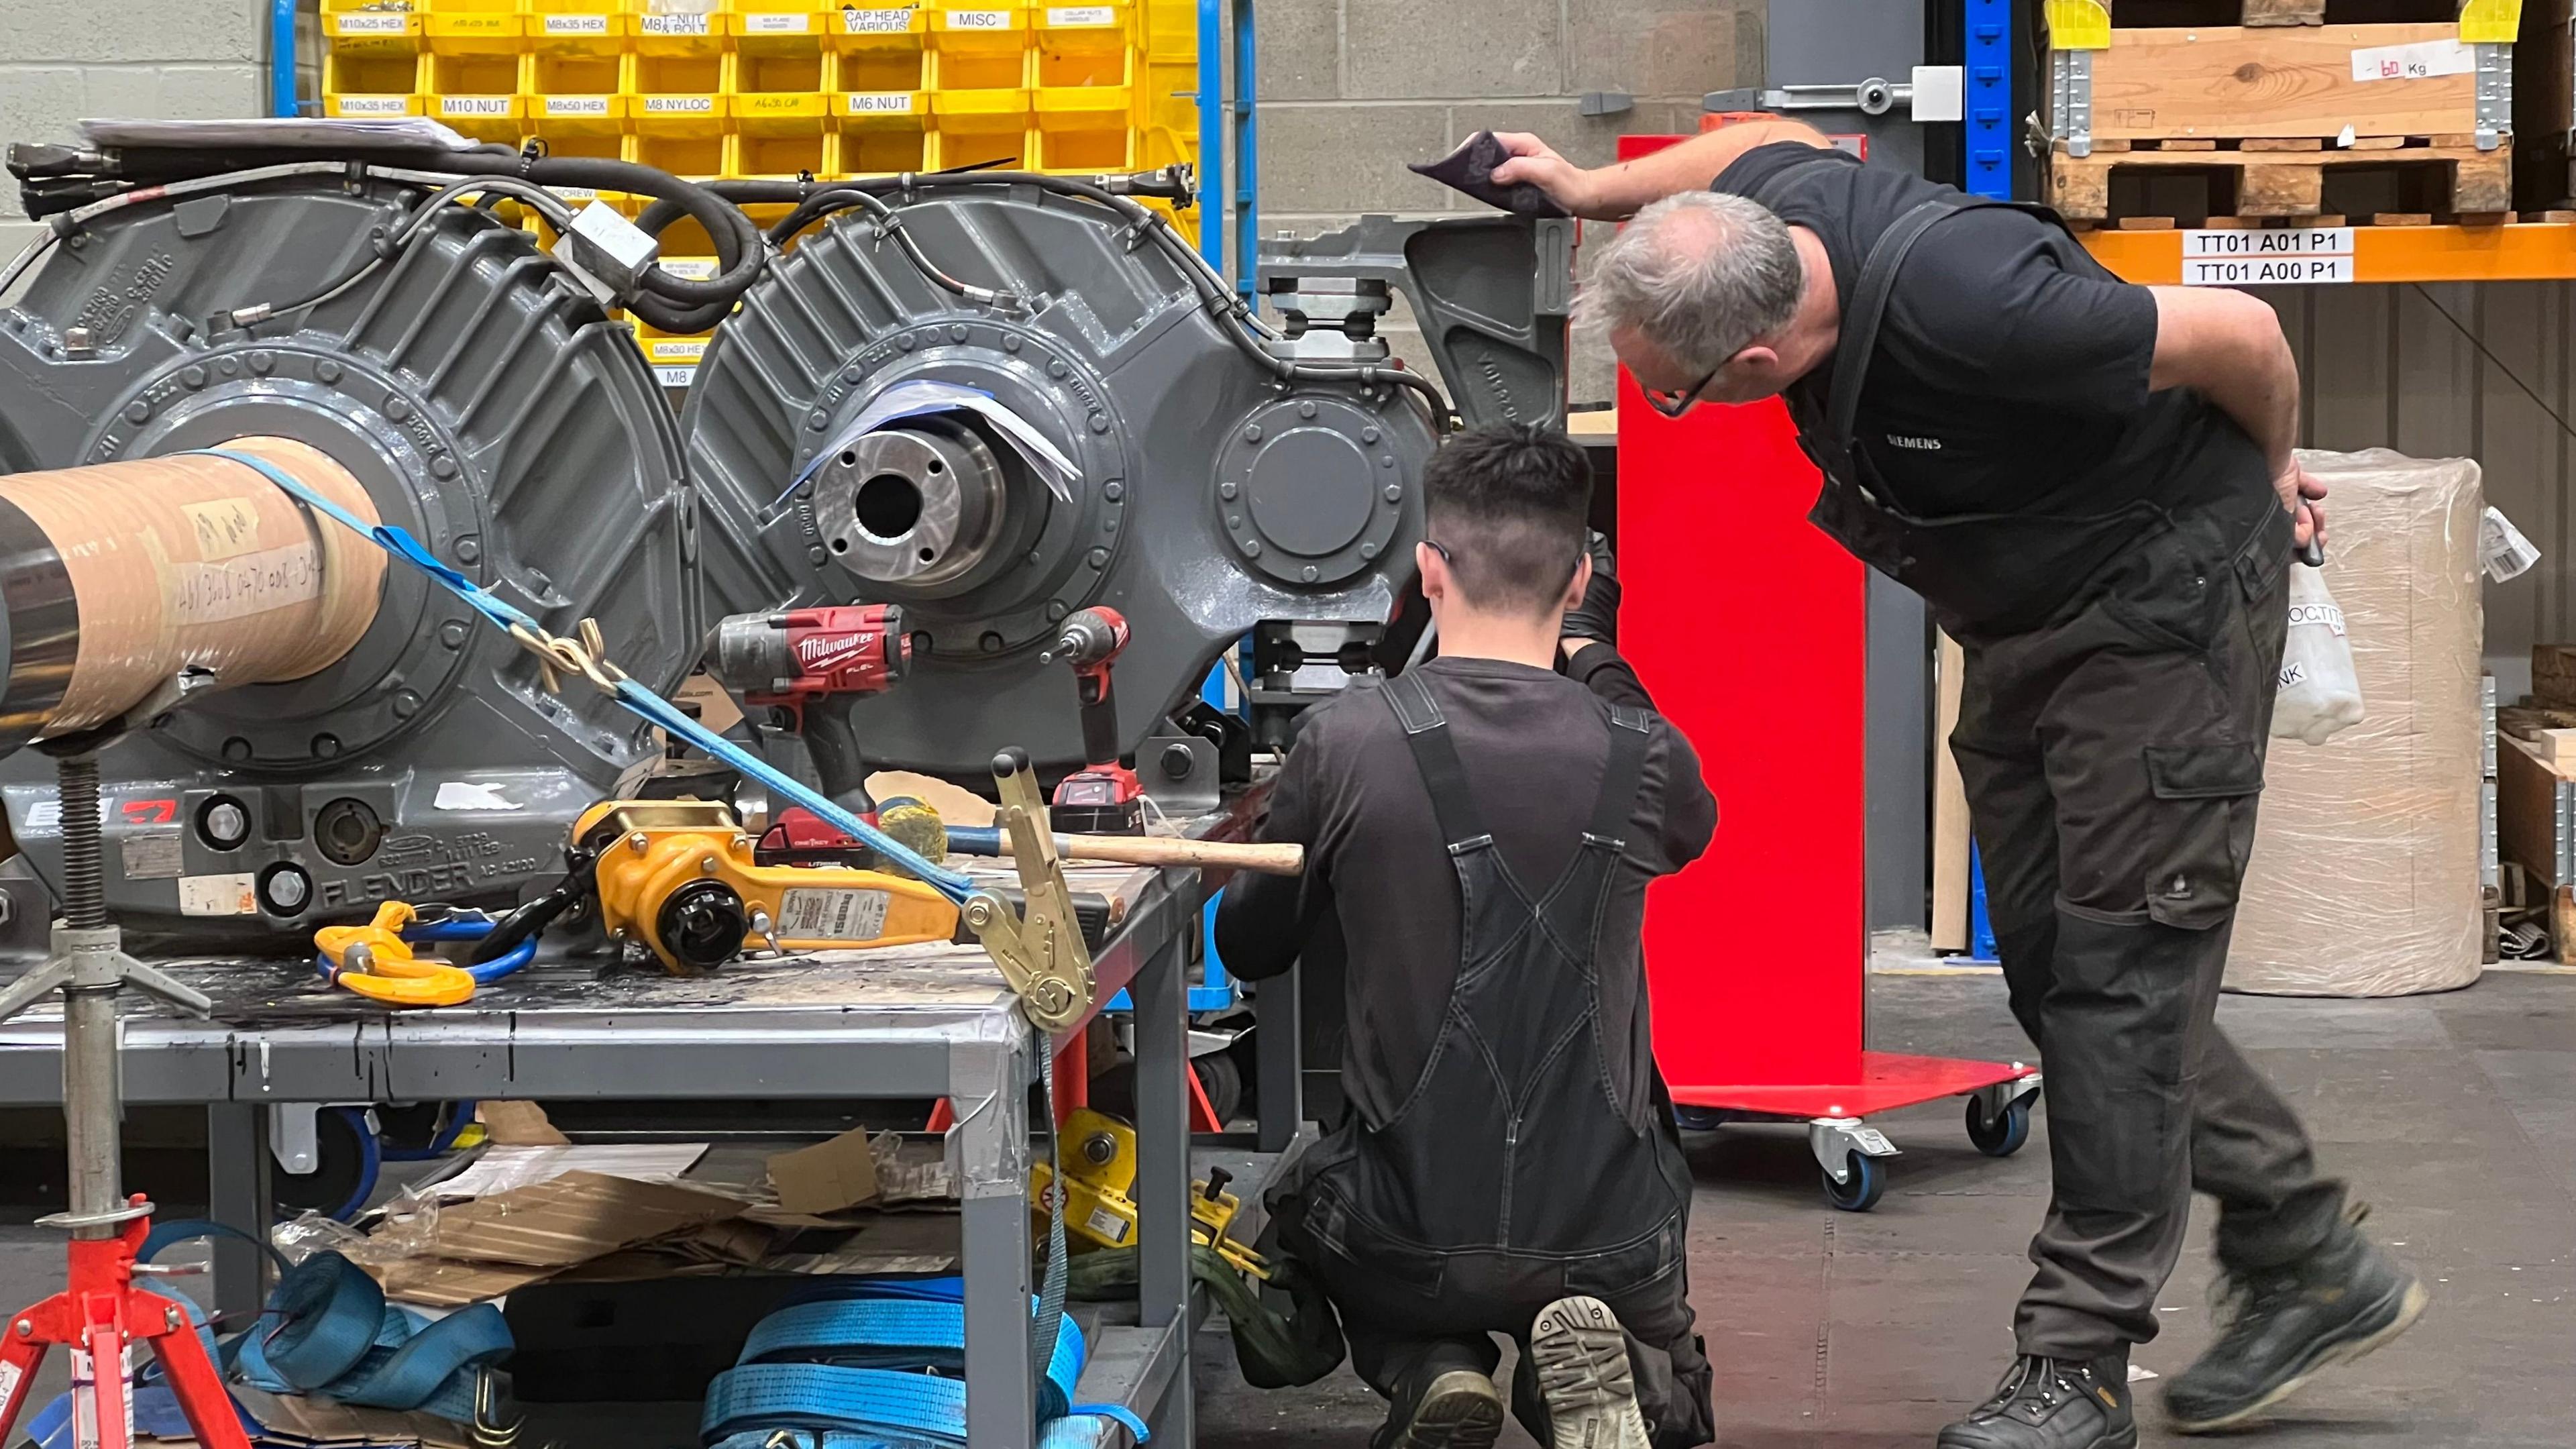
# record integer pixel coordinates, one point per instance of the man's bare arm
(2229, 346)
(1616, 192)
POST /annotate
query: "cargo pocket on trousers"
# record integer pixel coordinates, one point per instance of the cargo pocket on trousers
(1622, 1270)
(2193, 874)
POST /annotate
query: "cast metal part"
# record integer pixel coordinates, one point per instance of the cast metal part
(1208, 495)
(1490, 293)
(918, 506)
(492, 411)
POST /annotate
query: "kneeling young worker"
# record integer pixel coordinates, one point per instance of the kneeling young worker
(1481, 830)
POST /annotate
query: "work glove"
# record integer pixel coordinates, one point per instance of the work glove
(1597, 617)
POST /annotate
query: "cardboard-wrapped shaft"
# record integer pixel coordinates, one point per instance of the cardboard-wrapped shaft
(120, 576)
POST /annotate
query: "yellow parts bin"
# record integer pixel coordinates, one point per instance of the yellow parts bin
(880, 101)
(675, 86)
(474, 51)
(1100, 1193)
(371, 64)
(678, 876)
(576, 76)
(778, 87)
(980, 75)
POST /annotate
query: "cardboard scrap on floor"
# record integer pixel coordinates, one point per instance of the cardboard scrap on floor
(827, 1176)
(603, 1227)
(502, 1169)
(493, 1245)
(518, 1124)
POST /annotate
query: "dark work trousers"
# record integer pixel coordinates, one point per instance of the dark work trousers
(1411, 1314)
(2112, 758)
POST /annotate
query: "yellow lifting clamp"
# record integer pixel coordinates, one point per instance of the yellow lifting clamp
(680, 877)
(1041, 952)
(1100, 1185)
(374, 961)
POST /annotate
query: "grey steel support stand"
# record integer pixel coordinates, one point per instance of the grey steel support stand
(89, 966)
(1278, 1057)
(1163, 1162)
(992, 1146)
(239, 1194)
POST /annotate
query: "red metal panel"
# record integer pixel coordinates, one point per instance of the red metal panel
(1750, 627)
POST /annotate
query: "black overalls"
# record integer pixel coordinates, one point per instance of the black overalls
(1525, 1164)
(2111, 739)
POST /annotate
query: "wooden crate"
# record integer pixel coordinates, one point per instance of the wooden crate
(2262, 114)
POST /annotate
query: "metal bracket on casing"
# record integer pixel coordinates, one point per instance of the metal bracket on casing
(2495, 93)
(1835, 1139)
(1041, 950)
(1490, 293)
(2070, 100)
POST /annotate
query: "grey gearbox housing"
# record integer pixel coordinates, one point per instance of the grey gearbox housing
(1221, 476)
(490, 408)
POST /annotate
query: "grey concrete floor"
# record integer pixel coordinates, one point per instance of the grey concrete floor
(2453, 1116)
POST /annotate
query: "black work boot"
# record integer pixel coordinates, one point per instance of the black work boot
(2284, 1324)
(2052, 1403)
(1451, 1407)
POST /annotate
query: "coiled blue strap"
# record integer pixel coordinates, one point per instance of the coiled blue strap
(847, 1373)
(328, 1331)
(637, 700)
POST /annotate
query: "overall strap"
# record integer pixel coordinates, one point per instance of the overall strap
(1619, 777)
(1435, 754)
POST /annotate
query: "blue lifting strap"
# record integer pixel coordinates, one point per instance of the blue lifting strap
(328, 1332)
(850, 1372)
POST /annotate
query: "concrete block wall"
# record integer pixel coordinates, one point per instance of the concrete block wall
(1352, 90)
(61, 60)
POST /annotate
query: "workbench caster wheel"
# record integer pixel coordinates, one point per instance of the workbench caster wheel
(346, 1160)
(1698, 1119)
(1999, 1134)
(1861, 1188)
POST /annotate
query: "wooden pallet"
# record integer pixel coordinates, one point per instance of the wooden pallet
(2285, 177)
(2136, 13)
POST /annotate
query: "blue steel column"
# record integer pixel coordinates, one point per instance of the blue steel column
(281, 58)
(1212, 199)
(1989, 126)
(1247, 152)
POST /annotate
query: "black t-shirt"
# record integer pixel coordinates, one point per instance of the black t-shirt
(2011, 369)
(1534, 745)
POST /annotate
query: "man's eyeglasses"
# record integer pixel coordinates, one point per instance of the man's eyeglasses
(1674, 404)
(1441, 549)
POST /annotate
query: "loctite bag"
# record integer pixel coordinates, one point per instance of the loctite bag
(2320, 693)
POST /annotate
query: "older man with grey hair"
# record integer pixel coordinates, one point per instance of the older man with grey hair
(2092, 485)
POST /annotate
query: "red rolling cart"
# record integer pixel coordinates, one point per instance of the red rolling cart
(1750, 626)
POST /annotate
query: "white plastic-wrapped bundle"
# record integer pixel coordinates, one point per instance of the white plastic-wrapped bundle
(2364, 880)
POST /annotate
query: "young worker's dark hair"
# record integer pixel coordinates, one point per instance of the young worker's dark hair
(1509, 503)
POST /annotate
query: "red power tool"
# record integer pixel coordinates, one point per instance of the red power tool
(1103, 798)
(811, 666)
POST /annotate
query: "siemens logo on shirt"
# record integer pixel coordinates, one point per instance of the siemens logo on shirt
(1918, 444)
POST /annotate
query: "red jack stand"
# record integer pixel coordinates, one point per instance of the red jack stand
(100, 1319)
(102, 1315)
